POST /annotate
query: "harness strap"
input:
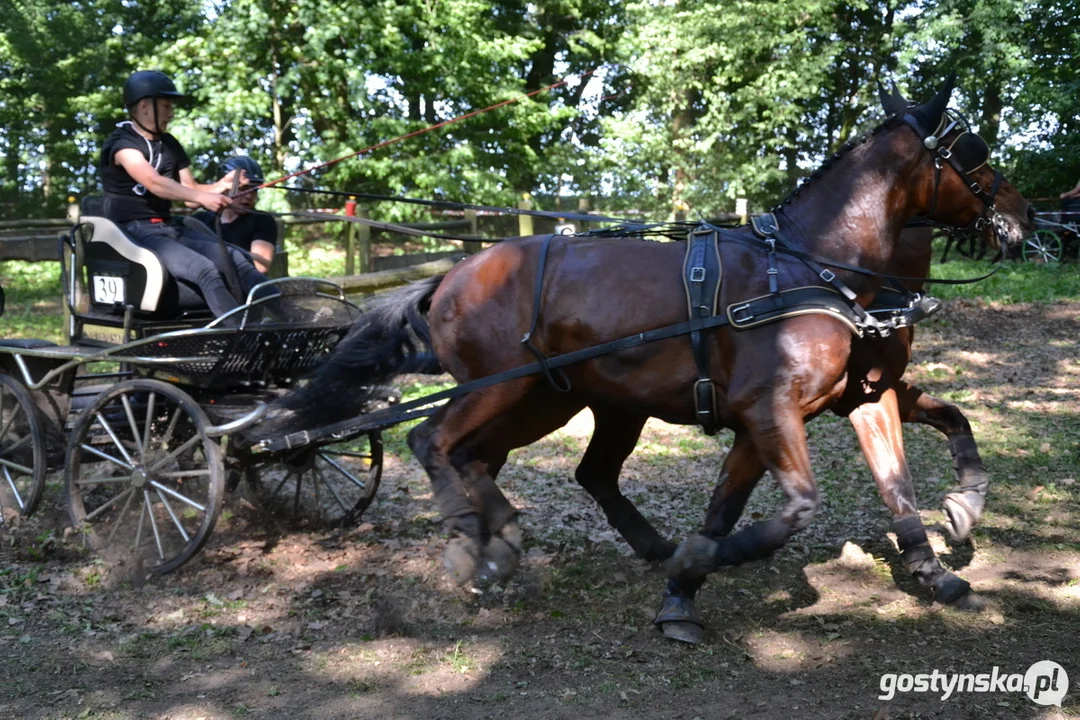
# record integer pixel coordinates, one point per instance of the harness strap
(418, 408)
(802, 254)
(702, 272)
(538, 298)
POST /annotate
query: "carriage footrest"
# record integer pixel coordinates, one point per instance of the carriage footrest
(26, 343)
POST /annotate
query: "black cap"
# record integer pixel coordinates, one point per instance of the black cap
(148, 84)
(242, 162)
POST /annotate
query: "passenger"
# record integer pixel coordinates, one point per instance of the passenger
(240, 226)
(143, 169)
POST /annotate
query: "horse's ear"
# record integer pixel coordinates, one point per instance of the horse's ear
(930, 113)
(892, 102)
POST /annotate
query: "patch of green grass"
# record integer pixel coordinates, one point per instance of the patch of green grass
(1016, 281)
(32, 300)
(459, 660)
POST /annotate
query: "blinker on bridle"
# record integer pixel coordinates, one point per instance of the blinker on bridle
(967, 153)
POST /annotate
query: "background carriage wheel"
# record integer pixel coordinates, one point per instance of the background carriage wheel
(142, 478)
(330, 486)
(22, 449)
(1044, 246)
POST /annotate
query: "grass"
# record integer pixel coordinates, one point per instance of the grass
(1015, 282)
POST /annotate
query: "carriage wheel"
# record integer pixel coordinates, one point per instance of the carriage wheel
(331, 485)
(1044, 246)
(142, 477)
(22, 449)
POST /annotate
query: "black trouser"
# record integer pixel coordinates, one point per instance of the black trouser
(193, 257)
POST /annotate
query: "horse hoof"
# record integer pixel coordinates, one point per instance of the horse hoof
(970, 601)
(694, 558)
(961, 516)
(460, 560)
(499, 562)
(683, 631)
(511, 533)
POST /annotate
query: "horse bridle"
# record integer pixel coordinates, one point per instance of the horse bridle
(967, 153)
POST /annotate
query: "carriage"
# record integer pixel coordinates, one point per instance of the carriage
(1058, 234)
(141, 409)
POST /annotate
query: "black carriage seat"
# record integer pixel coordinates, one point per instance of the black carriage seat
(120, 272)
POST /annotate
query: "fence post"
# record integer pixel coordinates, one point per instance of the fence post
(350, 237)
(583, 208)
(363, 244)
(474, 246)
(525, 222)
(741, 210)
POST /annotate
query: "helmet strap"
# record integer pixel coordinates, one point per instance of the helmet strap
(155, 132)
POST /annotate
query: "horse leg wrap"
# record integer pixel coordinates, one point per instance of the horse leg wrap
(964, 505)
(450, 496)
(756, 542)
(678, 617)
(698, 556)
(920, 561)
(915, 551)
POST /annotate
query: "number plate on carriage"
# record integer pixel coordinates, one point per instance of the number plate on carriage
(108, 290)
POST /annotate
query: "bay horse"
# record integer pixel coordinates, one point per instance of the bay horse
(769, 380)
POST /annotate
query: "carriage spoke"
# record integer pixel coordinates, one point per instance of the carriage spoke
(16, 466)
(330, 487)
(296, 495)
(359, 483)
(116, 441)
(105, 456)
(346, 453)
(184, 474)
(176, 520)
(134, 426)
(281, 484)
(188, 444)
(11, 482)
(318, 497)
(120, 518)
(138, 530)
(178, 496)
(153, 524)
(11, 418)
(16, 445)
(107, 505)
(149, 420)
(102, 480)
(170, 429)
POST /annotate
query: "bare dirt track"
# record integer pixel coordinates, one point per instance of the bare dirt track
(274, 623)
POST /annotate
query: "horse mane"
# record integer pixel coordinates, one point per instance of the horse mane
(844, 150)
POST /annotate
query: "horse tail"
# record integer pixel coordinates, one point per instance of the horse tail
(391, 338)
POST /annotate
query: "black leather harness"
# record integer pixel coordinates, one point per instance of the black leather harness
(703, 276)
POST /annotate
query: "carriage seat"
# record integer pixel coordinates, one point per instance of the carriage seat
(119, 272)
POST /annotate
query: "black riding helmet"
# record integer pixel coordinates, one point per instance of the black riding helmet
(249, 166)
(148, 84)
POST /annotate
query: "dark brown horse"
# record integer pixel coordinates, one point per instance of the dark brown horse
(769, 379)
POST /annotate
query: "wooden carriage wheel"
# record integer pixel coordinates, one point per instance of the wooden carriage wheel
(143, 480)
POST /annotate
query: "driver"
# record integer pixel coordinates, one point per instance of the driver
(143, 168)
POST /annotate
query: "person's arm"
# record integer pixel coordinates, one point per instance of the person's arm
(144, 173)
(263, 242)
(262, 253)
(1075, 192)
(223, 185)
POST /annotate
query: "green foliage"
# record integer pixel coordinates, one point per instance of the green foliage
(693, 102)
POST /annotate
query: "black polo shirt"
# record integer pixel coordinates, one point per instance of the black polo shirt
(126, 200)
(244, 229)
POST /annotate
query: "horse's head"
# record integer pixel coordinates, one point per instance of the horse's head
(959, 188)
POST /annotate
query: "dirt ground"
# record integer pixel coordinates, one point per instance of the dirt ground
(270, 623)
